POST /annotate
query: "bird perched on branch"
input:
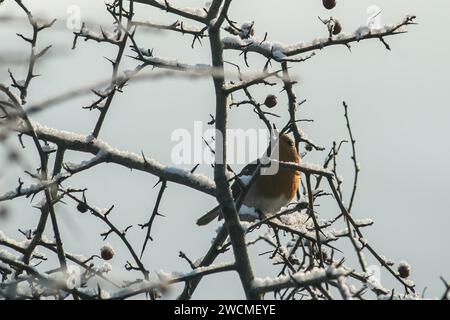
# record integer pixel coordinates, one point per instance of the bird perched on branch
(267, 193)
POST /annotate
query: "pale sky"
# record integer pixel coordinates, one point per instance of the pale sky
(398, 110)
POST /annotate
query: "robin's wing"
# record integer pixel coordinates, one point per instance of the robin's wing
(209, 216)
(243, 178)
(239, 182)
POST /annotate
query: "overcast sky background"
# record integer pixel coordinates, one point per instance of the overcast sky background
(398, 108)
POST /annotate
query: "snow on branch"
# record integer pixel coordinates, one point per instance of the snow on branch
(314, 277)
(48, 282)
(177, 26)
(189, 13)
(78, 142)
(34, 188)
(302, 243)
(280, 52)
(197, 33)
(146, 56)
(102, 36)
(305, 167)
(244, 84)
(165, 279)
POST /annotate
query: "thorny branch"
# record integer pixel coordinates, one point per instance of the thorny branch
(301, 243)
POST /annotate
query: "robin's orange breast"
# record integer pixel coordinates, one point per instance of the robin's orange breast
(284, 183)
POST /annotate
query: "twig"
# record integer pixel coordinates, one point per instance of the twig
(155, 213)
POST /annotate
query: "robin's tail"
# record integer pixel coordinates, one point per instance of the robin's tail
(209, 216)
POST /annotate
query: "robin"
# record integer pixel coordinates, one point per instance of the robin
(267, 193)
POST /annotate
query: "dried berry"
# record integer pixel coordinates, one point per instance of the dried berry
(271, 101)
(82, 207)
(337, 27)
(107, 252)
(329, 4)
(404, 270)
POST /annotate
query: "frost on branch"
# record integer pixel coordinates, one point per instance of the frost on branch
(306, 251)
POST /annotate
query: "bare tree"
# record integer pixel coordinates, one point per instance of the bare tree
(304, 253)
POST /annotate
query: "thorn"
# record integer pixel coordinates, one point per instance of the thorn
(159, 181)
(195, 168)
